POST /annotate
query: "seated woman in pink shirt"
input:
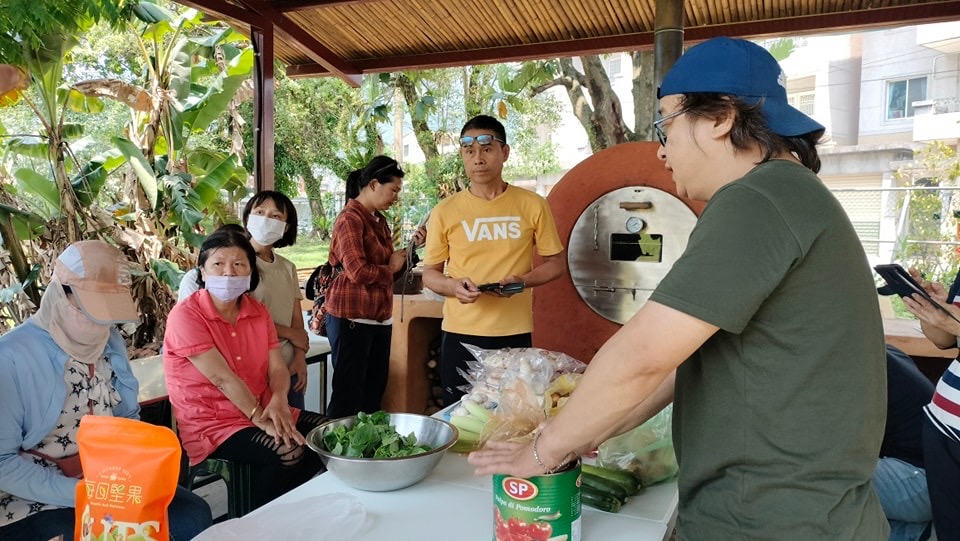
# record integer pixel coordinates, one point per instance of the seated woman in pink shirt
(226, 379)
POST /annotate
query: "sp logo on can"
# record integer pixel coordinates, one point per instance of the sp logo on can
(519, 489)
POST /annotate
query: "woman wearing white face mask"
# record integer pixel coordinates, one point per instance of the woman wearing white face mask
(65, 362)
(226, 378)
(271, 221)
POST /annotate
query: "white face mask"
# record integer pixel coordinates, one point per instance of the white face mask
(265, 230)
(226, 288)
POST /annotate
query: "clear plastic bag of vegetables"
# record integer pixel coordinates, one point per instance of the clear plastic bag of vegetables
(506, 358)
(519, 410)
(519, 387)
(492, 367)
(647, 450)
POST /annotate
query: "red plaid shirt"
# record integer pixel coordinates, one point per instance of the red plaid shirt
(362, 243)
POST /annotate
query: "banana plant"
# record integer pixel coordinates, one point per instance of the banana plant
(35, 42)
(195, 70)
(50, 100)
(16, 223)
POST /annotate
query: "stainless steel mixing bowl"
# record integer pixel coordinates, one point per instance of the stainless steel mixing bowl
(383, 474)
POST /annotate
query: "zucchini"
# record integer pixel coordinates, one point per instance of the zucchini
(599, 500)
(464, 447)
(606, 486)
(629, 481)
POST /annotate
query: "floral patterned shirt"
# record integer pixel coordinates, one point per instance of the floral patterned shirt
(89, 391)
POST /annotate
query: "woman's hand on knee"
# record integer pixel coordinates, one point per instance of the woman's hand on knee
(286, 429)
(265, 424)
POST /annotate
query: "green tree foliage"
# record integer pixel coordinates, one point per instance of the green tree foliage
(932, 215)
(35, 34)
(323, 129)
(26, 25)
(178, 79)
(593, 99)
(438, 102)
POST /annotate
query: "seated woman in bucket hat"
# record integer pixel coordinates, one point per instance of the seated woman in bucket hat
(766, 333)
(67, 361)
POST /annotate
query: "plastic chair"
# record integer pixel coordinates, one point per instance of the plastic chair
(237, 477)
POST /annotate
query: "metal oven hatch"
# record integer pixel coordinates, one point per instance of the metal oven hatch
(623, 244)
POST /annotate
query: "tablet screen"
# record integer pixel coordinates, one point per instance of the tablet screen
(905, 286)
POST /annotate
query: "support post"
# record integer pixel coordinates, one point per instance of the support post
(667, 37)
(263, 107)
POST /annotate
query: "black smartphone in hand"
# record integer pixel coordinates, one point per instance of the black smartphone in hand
(506, 289)
(515, 287)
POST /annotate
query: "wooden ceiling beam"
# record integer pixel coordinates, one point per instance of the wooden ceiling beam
(325, 62)
(493, 55)
(305, 42)
(305, 71)
(873, 18)
(220, 9)
(834, 22)
(303, 5)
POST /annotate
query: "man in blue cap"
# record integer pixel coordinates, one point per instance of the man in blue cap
(766, 333)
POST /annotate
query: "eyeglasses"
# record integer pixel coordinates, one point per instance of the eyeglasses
(466, 141)
(658, 126)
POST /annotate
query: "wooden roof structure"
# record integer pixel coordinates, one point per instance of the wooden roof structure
(350, 38)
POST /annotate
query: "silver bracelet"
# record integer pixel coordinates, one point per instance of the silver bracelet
(536, 456)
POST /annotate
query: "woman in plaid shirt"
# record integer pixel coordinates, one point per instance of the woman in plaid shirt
(359, 302)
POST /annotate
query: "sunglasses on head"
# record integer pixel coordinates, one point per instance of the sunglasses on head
(482, 140)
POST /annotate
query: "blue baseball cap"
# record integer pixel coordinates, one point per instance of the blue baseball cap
(743, 69)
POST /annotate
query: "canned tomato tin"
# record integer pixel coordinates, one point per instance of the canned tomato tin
(542, 508)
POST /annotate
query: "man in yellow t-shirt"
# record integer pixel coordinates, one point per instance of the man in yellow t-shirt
(487, 234)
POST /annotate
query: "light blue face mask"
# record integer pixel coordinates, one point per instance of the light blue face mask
(227, 288)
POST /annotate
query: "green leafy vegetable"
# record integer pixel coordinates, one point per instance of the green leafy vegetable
(371, 437)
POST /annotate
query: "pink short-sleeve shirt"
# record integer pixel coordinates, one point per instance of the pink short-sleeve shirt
(205, 416)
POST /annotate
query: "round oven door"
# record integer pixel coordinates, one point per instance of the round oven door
(623, 244)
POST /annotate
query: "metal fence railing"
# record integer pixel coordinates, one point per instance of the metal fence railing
(914, 226)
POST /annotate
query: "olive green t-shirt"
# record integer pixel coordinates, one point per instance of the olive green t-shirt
(779, 416)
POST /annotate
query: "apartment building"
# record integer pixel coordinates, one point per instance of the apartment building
(882, 95)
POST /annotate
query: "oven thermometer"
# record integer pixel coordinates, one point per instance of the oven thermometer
(634, 224)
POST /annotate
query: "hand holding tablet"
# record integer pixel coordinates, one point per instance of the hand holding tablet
(900, 281)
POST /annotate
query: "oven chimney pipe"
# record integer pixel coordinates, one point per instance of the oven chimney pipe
(667, 37)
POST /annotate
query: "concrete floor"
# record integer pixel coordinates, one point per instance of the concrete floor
(215, 494)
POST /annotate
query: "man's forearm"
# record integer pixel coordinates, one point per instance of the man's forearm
(439, 283)
(550, 269)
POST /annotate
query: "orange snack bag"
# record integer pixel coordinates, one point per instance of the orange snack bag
(130, 471)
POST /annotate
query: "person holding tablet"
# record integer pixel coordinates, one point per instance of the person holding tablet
(941, 432)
